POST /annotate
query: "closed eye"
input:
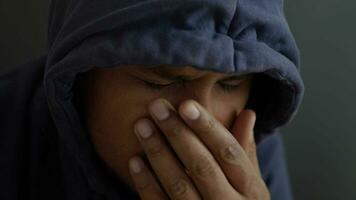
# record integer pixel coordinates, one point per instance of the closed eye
(229, 88)
(225, 87)
(157, 86)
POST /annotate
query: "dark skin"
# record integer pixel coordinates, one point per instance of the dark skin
(185, 158)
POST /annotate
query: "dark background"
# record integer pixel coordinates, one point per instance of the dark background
(320, 141)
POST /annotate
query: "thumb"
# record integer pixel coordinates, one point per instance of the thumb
(242, 130)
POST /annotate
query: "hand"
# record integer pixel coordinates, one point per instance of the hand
(197, 158)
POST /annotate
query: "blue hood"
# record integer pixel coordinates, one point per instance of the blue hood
(230, 36)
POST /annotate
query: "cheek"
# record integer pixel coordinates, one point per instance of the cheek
(112, 113)
(227, 107)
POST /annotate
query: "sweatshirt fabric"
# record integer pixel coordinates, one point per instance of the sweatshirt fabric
(44, 150)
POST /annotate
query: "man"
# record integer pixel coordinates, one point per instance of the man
(80, 122)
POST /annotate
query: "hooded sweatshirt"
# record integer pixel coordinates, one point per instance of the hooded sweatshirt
(44, 150)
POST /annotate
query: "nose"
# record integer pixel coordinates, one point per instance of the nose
(198, 91)
(203, 97)
(203, 94)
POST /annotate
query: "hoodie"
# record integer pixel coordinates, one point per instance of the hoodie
(44, 151)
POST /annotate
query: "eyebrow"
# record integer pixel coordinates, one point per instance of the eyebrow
(169, 74)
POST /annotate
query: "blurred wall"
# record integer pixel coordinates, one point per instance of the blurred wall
(320, 141)
(22, 30)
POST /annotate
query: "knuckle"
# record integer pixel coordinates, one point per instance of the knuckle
(155, 148)
(178, 129)
(178, 188)
(144, 186)
(232, 154)
(203, 168)
(208, 125)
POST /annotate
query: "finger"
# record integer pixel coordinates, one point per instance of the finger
(167, 167)
(232, 158)
(145, 183)
(200, 163)
(242, 130)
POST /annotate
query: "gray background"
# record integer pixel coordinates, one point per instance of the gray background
(320, 141)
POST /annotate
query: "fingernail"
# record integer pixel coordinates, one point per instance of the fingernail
(191, 111)
(143, 128)
(135, 165)
(159, 109)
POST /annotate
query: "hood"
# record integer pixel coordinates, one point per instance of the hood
(230, 36)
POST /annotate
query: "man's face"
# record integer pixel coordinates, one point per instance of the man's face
(117, 98)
